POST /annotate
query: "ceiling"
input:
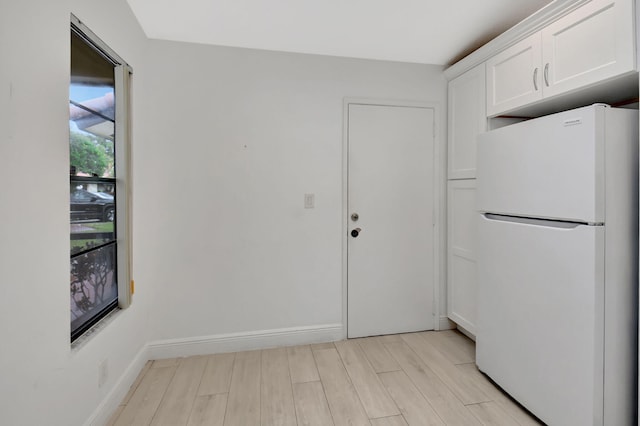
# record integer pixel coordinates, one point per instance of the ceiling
(420, 31)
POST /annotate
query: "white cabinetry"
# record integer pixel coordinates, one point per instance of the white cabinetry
(513, 76)
(467, 118)
(589, 45)
(592, 44)
(568, 54)
(461, 256)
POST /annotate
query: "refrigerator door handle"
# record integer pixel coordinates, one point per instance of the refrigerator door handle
(549, 223)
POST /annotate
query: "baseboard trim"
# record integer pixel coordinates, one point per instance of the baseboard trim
(467, 333)
(109, 404)
(461, 323)
(245, 341)
(445, 323)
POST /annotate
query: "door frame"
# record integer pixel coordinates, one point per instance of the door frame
(439, 204)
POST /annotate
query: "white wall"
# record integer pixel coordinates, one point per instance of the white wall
(238, 137)
(226, 142)
(42, 380)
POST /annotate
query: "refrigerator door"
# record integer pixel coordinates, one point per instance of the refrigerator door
(550, 167)
(540, 315)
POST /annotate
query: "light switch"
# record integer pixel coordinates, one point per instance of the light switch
(309, 201)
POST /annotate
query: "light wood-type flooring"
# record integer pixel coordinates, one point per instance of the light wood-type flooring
(427, 378)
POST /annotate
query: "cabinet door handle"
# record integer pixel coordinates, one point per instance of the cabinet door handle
(535, 79)
(546, 74)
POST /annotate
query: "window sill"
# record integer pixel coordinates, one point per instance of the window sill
(81, 341)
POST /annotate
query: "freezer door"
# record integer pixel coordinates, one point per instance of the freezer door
(549, 167)
(540, 316)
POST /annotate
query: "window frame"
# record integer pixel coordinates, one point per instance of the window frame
(122, 148)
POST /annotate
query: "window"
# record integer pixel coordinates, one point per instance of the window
(98, 180)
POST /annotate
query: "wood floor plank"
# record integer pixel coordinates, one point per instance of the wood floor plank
(388, 338)
(168, 362)
(377, 354)
(372, 393)
(145, 400)
(514, 410)
(413, 406)
(389, 421)
(208, 410)
(178, 400)
(217, 374)
(136, 382)
(421, 374)
(490, 414)
(441, 398)
(243, 404)
(311, 404)
(466, 390)
(277, 407)
(302, 366)
(343, 400)
(321, 346)
(458, 348)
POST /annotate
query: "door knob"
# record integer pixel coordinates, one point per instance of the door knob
(355, 232)
(355, 217)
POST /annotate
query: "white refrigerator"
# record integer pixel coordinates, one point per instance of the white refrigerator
(557, 264)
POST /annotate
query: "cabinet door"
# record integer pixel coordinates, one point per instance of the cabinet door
(591, 44)
(467, 118)
(514, 76)
(461, 257)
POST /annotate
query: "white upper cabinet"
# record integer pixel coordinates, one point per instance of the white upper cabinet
(467, 118)
(589, 45)
(513, 76)
(593, 43)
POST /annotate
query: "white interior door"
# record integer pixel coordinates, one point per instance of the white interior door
(391, 189)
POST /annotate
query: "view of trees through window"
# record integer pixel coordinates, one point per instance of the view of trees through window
(92, 186)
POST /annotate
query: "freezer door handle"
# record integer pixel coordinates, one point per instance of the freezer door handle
(549, 223)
